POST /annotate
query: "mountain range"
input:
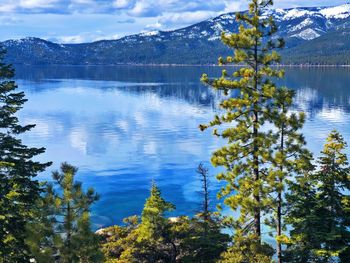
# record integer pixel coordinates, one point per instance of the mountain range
(313, 35)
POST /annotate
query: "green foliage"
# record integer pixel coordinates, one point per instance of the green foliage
(85, 242)
(320, 208)
(290, 158)
(159, 239)
(64, 222)
(154, 230)
(321, 51)
(258, 161)
(153, 221)
(203, 241)
(118, 239)
(246, 250)
(147, 241)
(40, 232)
(18, 188)
(186, 240)
(249, 146)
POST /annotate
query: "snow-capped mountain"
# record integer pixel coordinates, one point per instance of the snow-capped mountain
(302, 23)
(199, 43)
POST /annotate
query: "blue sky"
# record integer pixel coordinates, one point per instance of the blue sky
(76, 21)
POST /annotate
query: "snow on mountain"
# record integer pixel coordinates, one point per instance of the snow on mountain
(296, 25)
(296, 13)
(303, 23)
(309, 23)
(336, 12)
(150, 33)
(307, 34)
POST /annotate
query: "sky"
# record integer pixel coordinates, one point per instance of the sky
(78, 21)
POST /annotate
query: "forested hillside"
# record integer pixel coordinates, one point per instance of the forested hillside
(316, 31)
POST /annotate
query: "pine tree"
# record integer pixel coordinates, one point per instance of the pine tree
(290, 158)
(18, 188)
(205, 213)
(40, 232)
(64, 217)
(320, 208)
(205, 241)
(153, 234)
(85, 242)
(247, 251)
(249, 144)
(151, 240)
(119, 241)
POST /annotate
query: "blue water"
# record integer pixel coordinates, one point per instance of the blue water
(126, 126)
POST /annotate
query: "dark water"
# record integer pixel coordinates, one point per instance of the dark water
(126, 126)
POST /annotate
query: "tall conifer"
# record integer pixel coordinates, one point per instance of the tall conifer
(18, 188)
(290, 158)
(64, 222)
(249, 145)
(72, 207)
(151, 240)
(320, 208)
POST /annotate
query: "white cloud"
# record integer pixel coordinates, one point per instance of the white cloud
(233, 6)
(7, 7)
(37, 3)
(68, 19)
(141, 8)
(122, 4)
(78, 139)
(71, 39)
(83, 37)
(83, 2)
(155, 26)
(145, 9)
(186, 18)
(104, 37)
(332, 115)
(151, 8)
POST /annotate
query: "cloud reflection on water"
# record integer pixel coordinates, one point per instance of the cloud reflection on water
(124, 127)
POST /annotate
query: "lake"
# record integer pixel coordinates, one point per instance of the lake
(124, 126)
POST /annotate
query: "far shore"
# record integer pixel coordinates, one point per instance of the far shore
(186, 65)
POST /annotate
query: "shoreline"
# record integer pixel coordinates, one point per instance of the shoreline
(185, 65)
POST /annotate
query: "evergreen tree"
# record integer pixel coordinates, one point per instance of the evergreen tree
(320, 208)
(154, 231)
(86, 242)
(205, 213)
(40, 232)
(247, 250)
(118, 241)
(249, 144)
(147, 241)
(18, 188)
(290, 158)
(203, 239)
(64, 219)
(159, 239)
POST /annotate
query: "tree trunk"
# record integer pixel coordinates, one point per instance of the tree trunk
(174, 252)
(279, 227)
(69, 232)
(257, 225)
(279, 204)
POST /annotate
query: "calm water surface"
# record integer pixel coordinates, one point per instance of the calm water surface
(126, 126)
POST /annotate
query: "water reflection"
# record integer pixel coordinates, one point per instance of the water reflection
(124, 126)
